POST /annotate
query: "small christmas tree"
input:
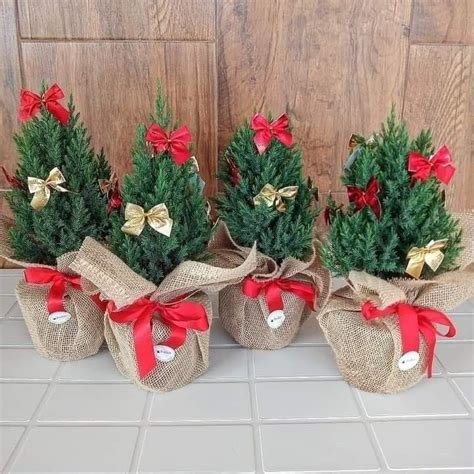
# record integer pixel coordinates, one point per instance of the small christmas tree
(55, 195)
(396, 223)
(265, 199)
(165, 220)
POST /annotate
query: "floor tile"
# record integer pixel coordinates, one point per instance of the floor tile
(464, 327)
(203, 401)
(306, 400)
(457, 358)
(467, 307)
(14, 312)
(317, 447)
(198, 448)
(8, 280)
(94, 403)
(227, 363)
(77, 449)
(13, 332)
(426, 444)
(466, 385)
(219, 336)
(25, 364)
(9, 437)
(6, 304)
(18, 401)
(310, 333)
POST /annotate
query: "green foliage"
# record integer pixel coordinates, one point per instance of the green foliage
(278, 234)
(40, 236)
(412, 214)
(157, 179)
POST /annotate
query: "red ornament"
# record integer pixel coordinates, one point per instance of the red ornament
(266, 131)
(176, 142)
(12, 181)
(30, 104)
(439, 165)
(366, 197)
(234, 172)
(115, 201)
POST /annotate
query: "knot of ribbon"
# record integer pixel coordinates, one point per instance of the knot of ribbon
(414, 320)
(366, 197)
(268, 195)
(42, 188)
(431, 255)
(176, 142)
(30, 104)
(178, 316)
(439, 165)
(265, 131)
(157, 218)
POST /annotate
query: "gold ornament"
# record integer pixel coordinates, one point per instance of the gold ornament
(42, 188)
(431, 255)
(157, 217)
(269, 196)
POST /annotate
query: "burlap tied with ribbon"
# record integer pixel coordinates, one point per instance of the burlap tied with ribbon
(267, 307)
(384, 332)
(158, 336)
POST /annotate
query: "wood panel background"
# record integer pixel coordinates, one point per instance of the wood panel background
(335, 66)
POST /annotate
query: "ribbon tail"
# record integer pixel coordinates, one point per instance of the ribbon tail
(143, 342)
(58, 111)
(409, 328)
(56, 296)
(177, 337)
(429, 335)
(273, 295)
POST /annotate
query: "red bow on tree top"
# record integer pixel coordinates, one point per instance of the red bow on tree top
(30, 104)
(176, 142)
(266, 131)
(367, 197)
(439, 165)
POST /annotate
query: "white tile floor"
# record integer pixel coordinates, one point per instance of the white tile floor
(281, 411)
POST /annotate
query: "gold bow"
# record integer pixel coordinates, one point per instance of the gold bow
(157, 217)
(107, 185)
(431, 255)
(269, 196)
(41, 188)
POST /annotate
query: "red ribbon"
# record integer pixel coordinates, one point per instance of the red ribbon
(273, 291)
(178, 316)
(234, 172)
(176, 142)
(11, 180)
(439, 165)
(266, 131)
(30, 104)
(366, 197)
(413, 320)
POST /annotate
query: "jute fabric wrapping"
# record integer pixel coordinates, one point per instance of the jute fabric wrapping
(367, 353)
(246, 318)
(79, 337)
(117, 282)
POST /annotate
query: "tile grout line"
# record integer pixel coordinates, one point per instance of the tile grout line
(142, 427)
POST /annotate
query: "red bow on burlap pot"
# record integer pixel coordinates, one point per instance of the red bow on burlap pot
(266, 131)
(413, 320)
(439, 165)
(178, 316)
(30, 104)
(366, 197)
(176, 142)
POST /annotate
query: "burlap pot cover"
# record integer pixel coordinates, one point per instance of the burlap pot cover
(118, 283)
(81, 335)
(368, 352)
(247, 319)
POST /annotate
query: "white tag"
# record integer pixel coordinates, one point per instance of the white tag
(164, 353)
(275, 319)
(59, 317)
(408, 360)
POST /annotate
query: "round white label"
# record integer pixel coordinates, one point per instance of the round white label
(164, 353)
(59, 317)
(275, 319)
(408, 360)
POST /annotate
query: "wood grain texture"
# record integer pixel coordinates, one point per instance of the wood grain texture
(443, 21)
(335, 67)
(117, 19)
(444, 101)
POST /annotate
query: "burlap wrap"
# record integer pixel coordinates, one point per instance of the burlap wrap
(79, 337)
(367, 353)
(117, 282)
(246, 318)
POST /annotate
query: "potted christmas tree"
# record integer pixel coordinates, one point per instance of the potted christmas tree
(56, 202)
(402, 254)
(267, 201)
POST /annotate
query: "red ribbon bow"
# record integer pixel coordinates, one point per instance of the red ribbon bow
(266, 131)
(412, 320)
(30, 104)
(178, 316)
(273, 291)
(439, 165)
(176, 142)
(366, 197)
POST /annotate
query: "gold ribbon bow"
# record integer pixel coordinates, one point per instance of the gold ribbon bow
(431, 255)
(269, 196)
(157, 217)
(42, 188)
